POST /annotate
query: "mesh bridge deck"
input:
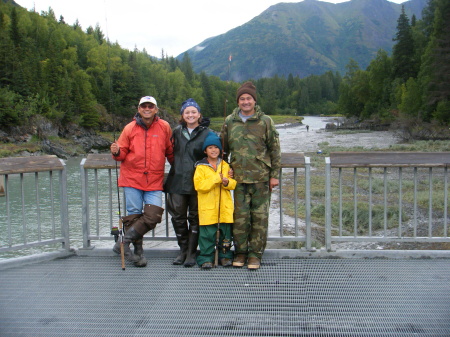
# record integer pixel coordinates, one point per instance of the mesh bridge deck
(92, 296)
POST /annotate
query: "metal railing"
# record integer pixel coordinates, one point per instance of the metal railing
(290, 164)
(99, 199)
(369, 197)
(29, 223)
(97, 226)
(393, 197)
(103, 202)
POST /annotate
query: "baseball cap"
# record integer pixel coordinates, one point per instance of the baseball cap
(148, 99)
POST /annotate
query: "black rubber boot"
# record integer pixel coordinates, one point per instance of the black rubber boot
(179, 260)
(127, 222)
(182, 233)
(130, 236)
(191, 258)
(128, 254)
(178, 206)
(139, 251)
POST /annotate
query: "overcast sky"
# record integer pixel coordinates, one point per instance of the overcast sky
(172, 25)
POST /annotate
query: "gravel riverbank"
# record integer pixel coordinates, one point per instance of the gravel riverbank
(299, 139)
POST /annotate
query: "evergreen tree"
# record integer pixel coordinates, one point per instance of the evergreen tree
(327, 86)
(290, 81)
(441, 54)
(380, 77)
(404, 63)
(76, 25)
(411, 102)
(435, 71)
(208, 95)
(171, 63)
(6, 47)
(304, 99)
(14, 28)
(428, 17)
(18, 72)
(98, 34)
(186, 67)
(353, 93)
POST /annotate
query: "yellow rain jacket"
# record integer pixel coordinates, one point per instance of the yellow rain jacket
(208, 184)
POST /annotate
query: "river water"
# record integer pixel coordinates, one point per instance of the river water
(292, 139)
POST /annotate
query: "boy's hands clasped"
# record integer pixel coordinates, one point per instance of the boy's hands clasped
(224, 180)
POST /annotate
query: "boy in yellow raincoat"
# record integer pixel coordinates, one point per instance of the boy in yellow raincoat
(215, 204)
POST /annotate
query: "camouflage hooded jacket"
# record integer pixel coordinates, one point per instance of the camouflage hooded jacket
(253, 146)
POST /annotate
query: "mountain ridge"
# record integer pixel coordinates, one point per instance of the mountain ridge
(302, 39)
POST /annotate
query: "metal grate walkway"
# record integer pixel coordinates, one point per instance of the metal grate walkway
(92, 296)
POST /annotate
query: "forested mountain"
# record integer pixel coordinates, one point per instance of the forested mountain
(56, 77)
(413, 85)
(70, 75)
(54, 71)
(305, 38)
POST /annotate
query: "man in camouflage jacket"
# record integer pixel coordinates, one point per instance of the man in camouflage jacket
(252, 141)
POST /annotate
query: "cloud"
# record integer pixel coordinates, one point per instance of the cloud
(198, 48)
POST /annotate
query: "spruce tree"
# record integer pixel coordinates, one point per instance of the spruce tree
(435, 73)
(208, 95)
(403, 59)
(186, 67)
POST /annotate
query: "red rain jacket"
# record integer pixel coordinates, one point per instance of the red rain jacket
(143, 154)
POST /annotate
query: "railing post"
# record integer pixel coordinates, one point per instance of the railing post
(308, 203)
(295, 202)
(64, 206)
(328, 203)
(281, 201)
(445, 201)
(430, 203)
(2, 185)
(8, 212)
(85, 205)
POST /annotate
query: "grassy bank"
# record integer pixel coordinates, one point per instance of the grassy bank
(377, 187)
(34, 145)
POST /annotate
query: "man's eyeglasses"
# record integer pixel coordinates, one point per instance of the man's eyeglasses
(147, 105)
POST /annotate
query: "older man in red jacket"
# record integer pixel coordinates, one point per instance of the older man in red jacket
(142, 148)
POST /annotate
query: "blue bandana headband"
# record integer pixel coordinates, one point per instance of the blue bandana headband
(187, 103)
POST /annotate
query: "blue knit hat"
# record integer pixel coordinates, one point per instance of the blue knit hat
(212, 139)
(189, 102)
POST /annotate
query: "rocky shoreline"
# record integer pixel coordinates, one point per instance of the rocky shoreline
(69, 141)
(41, 136)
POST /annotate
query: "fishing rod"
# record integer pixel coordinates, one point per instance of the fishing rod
(216, 255)
(116, 231)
